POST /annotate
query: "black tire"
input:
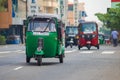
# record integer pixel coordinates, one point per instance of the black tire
(79, 47)
(39, 60)
(61, 58)
(65, 45)
(88, 46)
(71, 45)
(98, 47)
(27, 59)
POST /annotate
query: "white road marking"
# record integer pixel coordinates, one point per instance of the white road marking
(70, 51)
(108, 52)
(5, 52)
(18, 68)
(17, 51)
(86, 52)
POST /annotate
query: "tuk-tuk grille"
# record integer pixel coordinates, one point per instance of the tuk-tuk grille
(88, 36)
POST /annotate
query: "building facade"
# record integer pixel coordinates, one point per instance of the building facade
(5, 14)
(32, 7)
(62, 10)
(42, 6)
(76, 13)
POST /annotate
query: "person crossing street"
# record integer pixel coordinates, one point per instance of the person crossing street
(114, 36)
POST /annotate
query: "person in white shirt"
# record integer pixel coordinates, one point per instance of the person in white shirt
(114, 36)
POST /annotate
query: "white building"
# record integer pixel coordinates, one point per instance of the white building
(63, 9)
(76, 12)
(33, 7)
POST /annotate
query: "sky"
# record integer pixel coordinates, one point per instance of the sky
(95, 6)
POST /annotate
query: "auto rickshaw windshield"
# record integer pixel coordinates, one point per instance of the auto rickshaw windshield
(41, 25)
(88, 27)
(71, 30)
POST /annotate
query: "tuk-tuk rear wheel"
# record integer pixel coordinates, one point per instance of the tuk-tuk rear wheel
(98, 47)
(27, 59)
(61, 58)
(39, 60)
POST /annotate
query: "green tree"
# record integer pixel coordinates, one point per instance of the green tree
(111, 19)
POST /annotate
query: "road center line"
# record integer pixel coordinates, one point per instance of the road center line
(18, 68)
(70, 51)
(86, 52)
(108, 52)
(17, 51)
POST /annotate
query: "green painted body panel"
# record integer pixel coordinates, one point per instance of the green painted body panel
(39, 52)
(50, 48)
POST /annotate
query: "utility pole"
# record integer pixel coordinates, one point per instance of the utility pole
(26, 8)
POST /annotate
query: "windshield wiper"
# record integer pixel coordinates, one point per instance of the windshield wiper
(47, 26)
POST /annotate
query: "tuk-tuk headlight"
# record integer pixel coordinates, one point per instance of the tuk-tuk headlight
(93, 36)
(82, 36)
(40, 44)
(77, 37)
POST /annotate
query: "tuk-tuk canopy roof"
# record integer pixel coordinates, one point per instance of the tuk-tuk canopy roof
(44, 15)
(88, 23)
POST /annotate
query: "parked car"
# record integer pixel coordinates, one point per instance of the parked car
(13, 39)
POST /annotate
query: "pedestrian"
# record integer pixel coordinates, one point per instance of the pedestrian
(114, 36)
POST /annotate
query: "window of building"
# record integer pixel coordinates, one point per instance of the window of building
(61, 2)
(3, 5)
(33, 7)
(33, 1)
(32, 11)
(70, 7)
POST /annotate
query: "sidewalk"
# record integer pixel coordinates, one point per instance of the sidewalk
(12, 47)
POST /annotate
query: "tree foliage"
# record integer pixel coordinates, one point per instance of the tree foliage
(111, 19)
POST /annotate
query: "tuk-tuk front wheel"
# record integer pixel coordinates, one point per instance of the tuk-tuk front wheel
(79, 47)
(39, 60)
(88, 46)
(61, 58)
(27, 59)
(71, 45)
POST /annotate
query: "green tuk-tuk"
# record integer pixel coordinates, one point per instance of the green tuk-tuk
(44, 38)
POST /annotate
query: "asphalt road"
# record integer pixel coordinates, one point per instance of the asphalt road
(102, 64)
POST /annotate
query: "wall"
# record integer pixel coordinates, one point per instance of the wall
(6, 16)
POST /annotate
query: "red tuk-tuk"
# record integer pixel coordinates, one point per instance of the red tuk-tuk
(88, 35)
